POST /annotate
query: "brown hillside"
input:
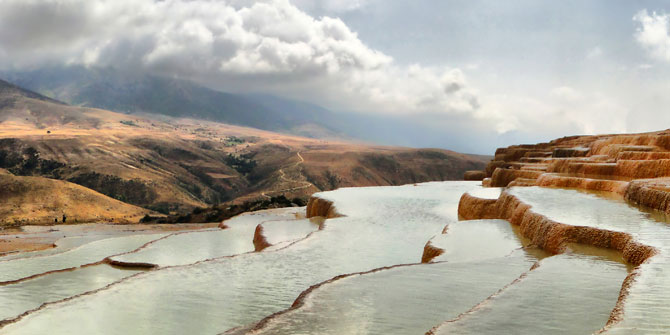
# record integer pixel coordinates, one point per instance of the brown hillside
(37, 200)
(172, 165)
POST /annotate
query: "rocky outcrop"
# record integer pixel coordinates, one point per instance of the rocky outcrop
(430, 252)
(493, 165)
(643, 168)
(636, 166)
(654, 193)
(129, 265)
(570, 152)
(523, 182)
(502, 177)
(321, 207)
(641, 155)
(474, 175)
(260, 241)
(550, 235)
(473, 208)
(584, 168)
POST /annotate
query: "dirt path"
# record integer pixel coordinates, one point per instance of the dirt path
(282, 176)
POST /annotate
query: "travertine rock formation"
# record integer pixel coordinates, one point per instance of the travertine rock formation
(633, 166)
(321, 207)
(474, 175)
(429, 252)
(553, 180)
(652, 193)
(554, 236)
(547, 234)
(260, 241)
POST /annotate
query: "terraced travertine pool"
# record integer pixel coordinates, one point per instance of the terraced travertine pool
(355, 274)
(645, 308)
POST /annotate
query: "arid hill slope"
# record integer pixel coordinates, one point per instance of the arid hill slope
(38, 200)
(168, 164)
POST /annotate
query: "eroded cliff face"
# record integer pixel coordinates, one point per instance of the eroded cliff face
(636, 167)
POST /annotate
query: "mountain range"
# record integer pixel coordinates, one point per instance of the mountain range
(127, 92)
(166, 164)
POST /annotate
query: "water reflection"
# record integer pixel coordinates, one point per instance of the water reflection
(644, 307)
(567, 294)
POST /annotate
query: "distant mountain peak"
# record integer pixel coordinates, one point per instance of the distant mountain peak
(8, 89)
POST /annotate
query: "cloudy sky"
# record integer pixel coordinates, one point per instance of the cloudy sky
(467, 75)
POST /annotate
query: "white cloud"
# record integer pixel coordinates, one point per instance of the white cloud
(566, 93)
(589, 112)
(594, 53)
(268, 45)
(274, 46)
(472, 67)
(565, 110)
(336, 6)
(596, 114)
(653, 34)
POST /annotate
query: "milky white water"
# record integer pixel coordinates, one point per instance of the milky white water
(645, 310)
(411, 299)
(566, 294)
(468, 241)
(32, 293)
(191, 247)
(209, 281)
(383, 228)
(85, 254)
(279, 231)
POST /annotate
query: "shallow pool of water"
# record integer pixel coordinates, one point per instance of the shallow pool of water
(32, 293)
(85, 254)
(190, 247)
(468, 241)
(281, 231)
(62, 245)
(644, 308)
(486, 192)
(404, 300)
(384, 226)
(566, 294)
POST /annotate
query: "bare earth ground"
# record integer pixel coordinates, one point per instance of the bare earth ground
(9, 245)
